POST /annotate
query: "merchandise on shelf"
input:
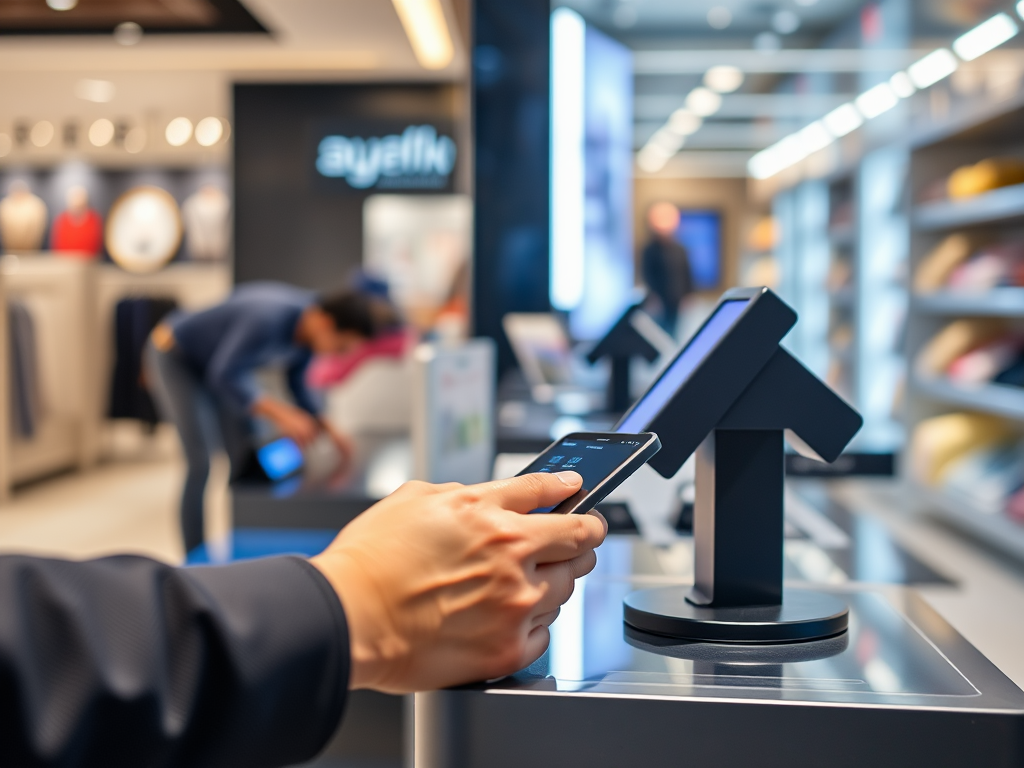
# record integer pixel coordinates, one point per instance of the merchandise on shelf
(991, 173)
(936, 267)
(956, 339)
(988, 476)
(965, 263)
(939, 442)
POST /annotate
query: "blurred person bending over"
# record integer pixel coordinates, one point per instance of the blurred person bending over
(202, 369)
(665, 264)
(125, 661)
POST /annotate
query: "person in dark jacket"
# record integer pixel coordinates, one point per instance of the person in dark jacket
(665, 264)
(125, 661)
(202, 369)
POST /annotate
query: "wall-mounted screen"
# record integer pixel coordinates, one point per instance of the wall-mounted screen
(700, 232)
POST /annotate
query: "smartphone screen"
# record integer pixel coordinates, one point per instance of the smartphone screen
(596, 456)
(280, 458)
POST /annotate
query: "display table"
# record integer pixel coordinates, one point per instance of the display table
(900, 688)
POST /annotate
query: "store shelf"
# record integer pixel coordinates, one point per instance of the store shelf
(999, 302)
(986, 398)
(960, 510)
(1004, 204)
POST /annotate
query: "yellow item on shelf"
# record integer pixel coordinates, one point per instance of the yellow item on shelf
(935, 268)
(955, 339)
(985, 176)
(938, 442)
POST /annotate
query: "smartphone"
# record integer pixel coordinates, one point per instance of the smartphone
(604, 459)
(280, 458)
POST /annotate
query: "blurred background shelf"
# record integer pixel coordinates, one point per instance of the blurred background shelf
(1004, 204)
(987, 398)
(999, 302)
(960, 510)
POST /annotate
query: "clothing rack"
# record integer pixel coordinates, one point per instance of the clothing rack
(58, 294)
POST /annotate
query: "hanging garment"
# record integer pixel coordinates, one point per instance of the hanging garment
(26, 399)
(134, 320)
(78, 234)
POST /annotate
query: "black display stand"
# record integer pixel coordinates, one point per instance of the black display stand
(627, 339)
(739, 401)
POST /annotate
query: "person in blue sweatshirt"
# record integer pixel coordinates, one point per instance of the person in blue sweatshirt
(202, 368)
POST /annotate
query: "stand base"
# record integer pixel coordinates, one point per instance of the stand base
(804, 615)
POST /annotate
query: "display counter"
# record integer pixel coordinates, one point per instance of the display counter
(900, 687)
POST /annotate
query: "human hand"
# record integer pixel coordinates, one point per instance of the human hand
(290, 421)
(449, 584)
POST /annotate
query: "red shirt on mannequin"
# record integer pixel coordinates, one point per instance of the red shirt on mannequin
(78, 233)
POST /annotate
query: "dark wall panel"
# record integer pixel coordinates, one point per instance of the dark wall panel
(289, 225)
(510, 110)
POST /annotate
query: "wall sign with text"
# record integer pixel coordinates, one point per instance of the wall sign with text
(418, 157)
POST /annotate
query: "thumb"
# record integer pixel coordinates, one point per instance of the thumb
(528, 492)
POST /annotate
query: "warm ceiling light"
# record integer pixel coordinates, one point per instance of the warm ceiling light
(179, 131)
(127, 33)
(135, 140)
(703, 101)
(42, 133)
(651, 158)
(101, 132)
(936, 65)
(208, 131)
(98, 91)
(724, 78)
(684, 122)
(62, 5)
(427, 30)
(984, 37)
(667, 140)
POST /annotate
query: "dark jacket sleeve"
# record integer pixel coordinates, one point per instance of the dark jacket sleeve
(128, 662)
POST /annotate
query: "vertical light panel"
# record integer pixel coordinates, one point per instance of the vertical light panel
(568, 35)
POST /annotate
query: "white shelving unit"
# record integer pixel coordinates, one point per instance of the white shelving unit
(997, 130)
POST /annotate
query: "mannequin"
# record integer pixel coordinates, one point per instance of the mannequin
(22, 219)
(78, 231)
(206, 215)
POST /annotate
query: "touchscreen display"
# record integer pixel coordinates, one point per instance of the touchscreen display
(280, 458)
(639, 419)
(594, 459)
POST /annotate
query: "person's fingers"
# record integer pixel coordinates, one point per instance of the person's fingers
(536, 643)
(528, 492)
(559, 580)
(563, 537)
(547, 619)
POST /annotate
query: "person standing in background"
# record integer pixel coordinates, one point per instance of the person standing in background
(665, 264)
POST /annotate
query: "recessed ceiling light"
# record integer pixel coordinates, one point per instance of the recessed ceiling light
(42, 133)
(127, 33)
(724, 78)
(179, 131)
(843, 120)
(767, 42)
(208, 131)
(785, 22)
(984, 37)
(62, 5)
(875, 101)
(135, 140)
(684, 122)
(719, 17)
(703, 101)
(101, 132)
(902, 85)
(929, 70)
(98, 91)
